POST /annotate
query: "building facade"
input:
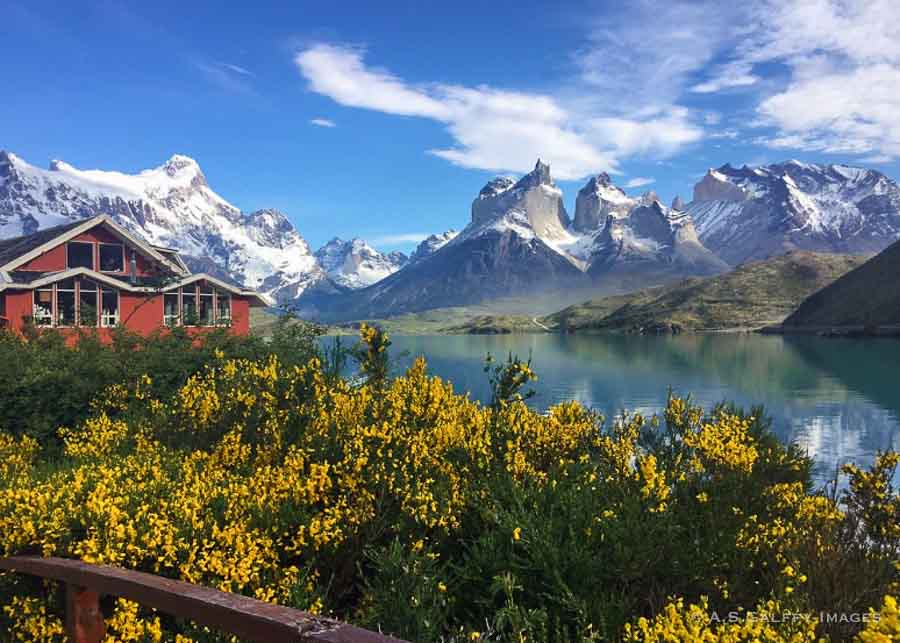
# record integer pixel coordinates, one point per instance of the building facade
(94, 274)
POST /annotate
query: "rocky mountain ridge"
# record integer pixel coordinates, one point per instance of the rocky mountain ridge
(753, 213)
(173, 205)
(519, 240)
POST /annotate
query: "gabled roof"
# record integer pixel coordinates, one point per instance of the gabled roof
(15, 247)
(20, 250)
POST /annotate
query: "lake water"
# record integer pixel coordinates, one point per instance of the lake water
(839, 399)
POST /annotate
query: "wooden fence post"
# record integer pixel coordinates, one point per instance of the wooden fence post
(84, 620)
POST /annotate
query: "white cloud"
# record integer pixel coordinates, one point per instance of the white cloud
(878, 158)
(497, 129)
(648, 54)
(735, 74)
(231, 78)
(238, 69)
(322, 122)
(842, 61)
(397, 239)
(639, 181)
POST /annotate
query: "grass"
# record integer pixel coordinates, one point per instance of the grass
(749, 297)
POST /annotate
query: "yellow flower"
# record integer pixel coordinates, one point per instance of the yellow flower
(517, 534)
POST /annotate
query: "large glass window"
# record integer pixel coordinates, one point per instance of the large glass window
(65, 303)
(189, 307)
(112, 257)
(109, 303)
(197, 305)
(80, 254)
(43, 307)
(170, 309)
(223, 312)
(87, 303)
(207, 305)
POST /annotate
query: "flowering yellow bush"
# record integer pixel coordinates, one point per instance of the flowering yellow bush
(399, 503)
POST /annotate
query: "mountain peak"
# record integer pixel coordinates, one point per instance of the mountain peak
(540, 175)
(181, 165)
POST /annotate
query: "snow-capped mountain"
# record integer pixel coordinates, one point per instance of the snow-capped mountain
(752, 213)
(504, 251)
(520, 241)
(432, 244)
(355, 264)
(651, 237)
(171, 205)
(597, 200)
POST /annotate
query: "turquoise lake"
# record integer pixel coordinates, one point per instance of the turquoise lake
(839, 399)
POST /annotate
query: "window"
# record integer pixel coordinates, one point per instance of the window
(87, 303)
(112, 257)
(109, 302)
(189, 307)
(207, 305)
(200, 305)
(223, 312)
(2, 305)
(43, 307)
(170, 309)
(80, 255)
(65, 303)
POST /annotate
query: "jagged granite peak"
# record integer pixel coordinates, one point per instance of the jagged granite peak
(170, 205)
(355, 264)
(678, 203)
(597, 200)
(532, 206)
(652, 237)
(496, 186)
(757, 212)
(431, 244)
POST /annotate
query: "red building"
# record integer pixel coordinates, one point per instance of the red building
(95, 274)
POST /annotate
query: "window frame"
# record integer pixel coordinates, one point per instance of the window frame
(171, 321)
(58, 321)
(50, 316)
(80, 302)
(100, 246)
(70, 244)
(223, 320)
(104, 318)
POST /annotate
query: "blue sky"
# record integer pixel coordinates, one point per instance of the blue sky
(383, 120)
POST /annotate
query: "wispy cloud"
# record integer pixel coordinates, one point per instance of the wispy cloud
(842, 64)
(493, 129)
(398, 239)
(322, 122)
(498, 129)
(237, 69)
(639, 181)
(229, 77)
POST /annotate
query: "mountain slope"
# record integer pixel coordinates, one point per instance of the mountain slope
(355, 264)
(753, 213)
(171, 205)
(867, 296)
(502, 252)
(651, 239)
(752, 295)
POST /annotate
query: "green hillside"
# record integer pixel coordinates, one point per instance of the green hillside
(751, 296)
(868, 296)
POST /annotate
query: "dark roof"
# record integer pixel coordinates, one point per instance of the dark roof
(17, 246)
(27, 276)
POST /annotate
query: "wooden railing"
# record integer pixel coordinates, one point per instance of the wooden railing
(242, 616)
